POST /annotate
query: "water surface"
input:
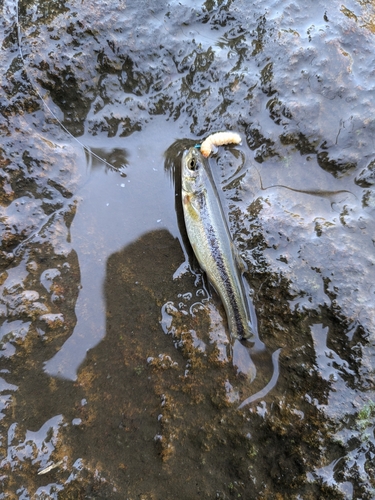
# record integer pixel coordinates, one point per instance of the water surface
(117, 369)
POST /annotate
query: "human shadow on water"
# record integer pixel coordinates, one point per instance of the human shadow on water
(150, 394)
(246, 354)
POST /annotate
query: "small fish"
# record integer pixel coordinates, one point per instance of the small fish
(210, 239)
(218, 139)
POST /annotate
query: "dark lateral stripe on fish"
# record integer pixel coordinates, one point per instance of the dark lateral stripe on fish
(218, 254)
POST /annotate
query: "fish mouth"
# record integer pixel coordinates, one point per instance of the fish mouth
(185, 153)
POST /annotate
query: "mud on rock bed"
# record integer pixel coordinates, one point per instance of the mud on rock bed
(115, 361)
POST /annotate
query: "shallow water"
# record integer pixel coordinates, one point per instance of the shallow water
(117, 368)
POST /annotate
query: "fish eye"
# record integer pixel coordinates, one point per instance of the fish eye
(192, 165)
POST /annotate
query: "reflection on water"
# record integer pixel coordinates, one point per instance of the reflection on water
(117, 374)
(113, 210)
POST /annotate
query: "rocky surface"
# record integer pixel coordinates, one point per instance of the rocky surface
(94, 266)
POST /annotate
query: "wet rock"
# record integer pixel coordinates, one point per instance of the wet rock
(367, 177)
(296, 81)
(52, 320)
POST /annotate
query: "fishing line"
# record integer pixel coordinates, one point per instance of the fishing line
(311, 192)
(35, 89)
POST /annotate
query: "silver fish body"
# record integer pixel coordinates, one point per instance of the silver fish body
(211, 241)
